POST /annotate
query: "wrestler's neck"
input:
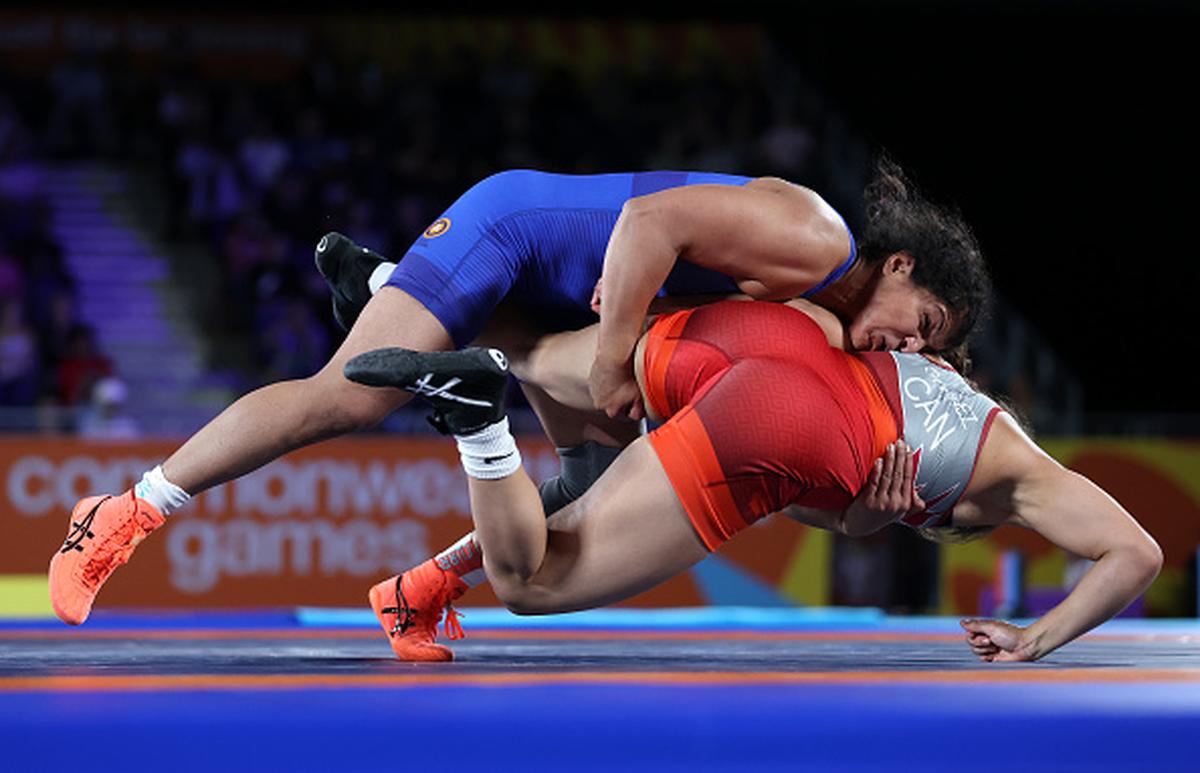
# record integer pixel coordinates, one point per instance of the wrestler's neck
(847, 296)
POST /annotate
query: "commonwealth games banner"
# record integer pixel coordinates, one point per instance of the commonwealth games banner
(318, 527)
(321, 525)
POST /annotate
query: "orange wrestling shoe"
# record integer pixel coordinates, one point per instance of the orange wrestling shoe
(103, 533)
(409, 608)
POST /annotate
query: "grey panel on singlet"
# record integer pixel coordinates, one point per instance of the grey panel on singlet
(944, 422)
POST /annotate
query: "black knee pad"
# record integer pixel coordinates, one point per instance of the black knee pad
(582, 465)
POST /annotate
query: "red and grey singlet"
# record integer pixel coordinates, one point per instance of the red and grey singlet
(762, 413)
(943, 418)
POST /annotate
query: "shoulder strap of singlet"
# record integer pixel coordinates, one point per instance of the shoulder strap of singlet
(837, 273)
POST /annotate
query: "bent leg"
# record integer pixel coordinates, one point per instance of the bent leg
(628, 533)
(278, 418)
(567, 426)
(552, 368)
(559, 364)
(586, 439)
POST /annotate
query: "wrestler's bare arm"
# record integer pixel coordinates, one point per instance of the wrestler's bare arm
(774, 238)
(1016, 482)
(558, 362)
(1023, 485)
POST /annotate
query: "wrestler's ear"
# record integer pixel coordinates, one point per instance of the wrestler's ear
(899, 263)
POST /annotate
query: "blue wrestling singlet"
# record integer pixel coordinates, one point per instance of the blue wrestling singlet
(538, 239)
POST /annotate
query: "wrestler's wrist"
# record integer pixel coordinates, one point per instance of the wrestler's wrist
(614, 357)
(1030, 645)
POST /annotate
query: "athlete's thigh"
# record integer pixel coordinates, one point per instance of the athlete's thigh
(552, 369)
(556, 361)
(391, 318)
(514, 330)
(628, 533)
(566, 426)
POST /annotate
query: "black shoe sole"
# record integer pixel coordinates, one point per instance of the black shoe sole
(346, 267)
(394, 366)
(482, 376)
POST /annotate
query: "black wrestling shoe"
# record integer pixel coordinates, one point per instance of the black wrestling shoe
(347, 269)
(465, 388)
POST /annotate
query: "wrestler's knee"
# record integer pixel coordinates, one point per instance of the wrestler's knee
(519, 596)
(346, 407)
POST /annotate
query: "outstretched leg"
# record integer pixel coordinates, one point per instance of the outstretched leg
(260, 427)
(587, 440)
(278, 418)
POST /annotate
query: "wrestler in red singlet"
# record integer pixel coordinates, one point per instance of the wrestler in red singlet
(763, 413)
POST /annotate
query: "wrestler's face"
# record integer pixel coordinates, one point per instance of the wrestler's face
(900, 315)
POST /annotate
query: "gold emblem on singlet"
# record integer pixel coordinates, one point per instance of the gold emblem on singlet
(439, 227)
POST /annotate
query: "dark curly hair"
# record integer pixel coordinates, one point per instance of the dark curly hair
(948, 261)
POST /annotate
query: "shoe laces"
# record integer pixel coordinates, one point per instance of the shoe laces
(115, 545)
(406, 617)
(452, 627)
(81, 530)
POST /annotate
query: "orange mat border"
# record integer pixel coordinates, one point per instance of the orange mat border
(1022, 675)
(207, 634)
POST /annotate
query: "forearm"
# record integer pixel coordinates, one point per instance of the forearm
(638, 260)
(1115, 580)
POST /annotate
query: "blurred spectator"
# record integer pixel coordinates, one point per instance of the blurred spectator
(263, 155)
(248, 246)
(295, 343)
(18, 356)
(81, 119)
(313, 150)
(105, 417)
(49, 417)
(15, 140)
(363, 225)
(56, 326)
(209, 182)
(82, 366)
(12, 275)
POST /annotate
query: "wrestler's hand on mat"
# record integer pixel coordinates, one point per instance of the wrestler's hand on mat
(889, 493)
(996, 641)
(614, 389)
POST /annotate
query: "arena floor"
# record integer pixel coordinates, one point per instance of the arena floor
(730, 689)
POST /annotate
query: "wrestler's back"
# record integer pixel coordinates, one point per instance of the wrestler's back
(537, 239)
(561, 224)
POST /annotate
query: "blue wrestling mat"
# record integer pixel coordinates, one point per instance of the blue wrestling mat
(707, 689)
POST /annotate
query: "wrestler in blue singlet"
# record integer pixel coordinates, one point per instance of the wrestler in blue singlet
(539, 239)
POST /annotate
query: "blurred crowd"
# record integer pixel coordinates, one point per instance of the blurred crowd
(255, 170)
(259, 170)
(48, 356)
